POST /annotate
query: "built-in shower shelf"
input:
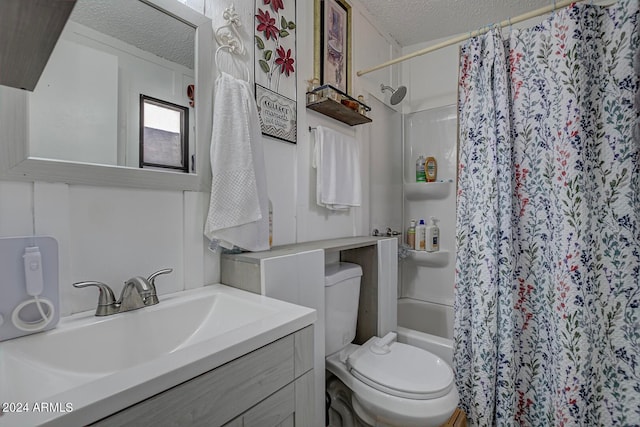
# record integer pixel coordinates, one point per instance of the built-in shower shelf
(427, 190)
(429, 259)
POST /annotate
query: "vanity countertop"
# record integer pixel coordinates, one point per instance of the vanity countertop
(90, 367)
(338, 244)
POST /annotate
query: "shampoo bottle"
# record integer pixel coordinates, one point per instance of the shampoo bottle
(420, 236)
(411, 234)
(420, 174)
(433, 236)
(431, 169)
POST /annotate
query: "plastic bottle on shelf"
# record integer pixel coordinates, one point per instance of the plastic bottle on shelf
(432, 236)
(420, 171)
(312, 96)
(431, 169)
(421, 236)
(361, 108)
(411, 234)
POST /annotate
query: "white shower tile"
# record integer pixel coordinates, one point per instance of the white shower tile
(432, 133)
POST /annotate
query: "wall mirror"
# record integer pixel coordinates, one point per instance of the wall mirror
(82, 123)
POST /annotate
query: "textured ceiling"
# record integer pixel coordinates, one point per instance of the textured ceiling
(415, 21)
(140, 25)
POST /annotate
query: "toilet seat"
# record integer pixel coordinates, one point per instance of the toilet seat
(401, 370)
(377, 407)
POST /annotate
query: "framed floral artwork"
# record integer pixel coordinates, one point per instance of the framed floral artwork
(275, 55)
(332, 44)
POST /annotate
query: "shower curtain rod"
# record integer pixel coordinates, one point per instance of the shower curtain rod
(458, 39)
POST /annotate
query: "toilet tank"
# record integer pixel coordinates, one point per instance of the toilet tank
(342, 293)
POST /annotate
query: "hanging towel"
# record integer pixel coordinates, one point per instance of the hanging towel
(238, 209)
(337, 162)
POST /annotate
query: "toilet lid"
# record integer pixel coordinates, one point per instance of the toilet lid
(404, 371)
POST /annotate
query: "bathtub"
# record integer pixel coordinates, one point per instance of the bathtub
(426, 325)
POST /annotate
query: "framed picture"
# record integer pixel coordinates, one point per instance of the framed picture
(277, 114)
(275, 67)
(333, 43)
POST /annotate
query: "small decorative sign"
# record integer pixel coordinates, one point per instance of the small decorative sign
(277, 114)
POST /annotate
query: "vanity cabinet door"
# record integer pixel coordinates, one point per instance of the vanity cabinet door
(272, 411)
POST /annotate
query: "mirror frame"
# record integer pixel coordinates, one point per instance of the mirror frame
(16, 164)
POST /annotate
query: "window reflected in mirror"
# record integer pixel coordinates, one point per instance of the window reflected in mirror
(164, 141)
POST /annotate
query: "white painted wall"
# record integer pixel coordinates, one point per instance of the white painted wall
(112, 234)
(385, 172)
(432, 79)
(291, 179)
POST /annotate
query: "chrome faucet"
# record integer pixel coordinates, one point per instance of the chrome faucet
(137, 292)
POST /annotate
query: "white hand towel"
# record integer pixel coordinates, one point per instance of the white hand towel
(337, 161)
(238, 209)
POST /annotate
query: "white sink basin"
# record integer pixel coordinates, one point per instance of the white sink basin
(127, 357)
(99, 346)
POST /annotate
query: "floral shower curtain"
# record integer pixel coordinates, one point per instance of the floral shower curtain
(547, 308)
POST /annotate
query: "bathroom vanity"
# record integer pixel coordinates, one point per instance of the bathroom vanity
(208, 356)
(271, 386)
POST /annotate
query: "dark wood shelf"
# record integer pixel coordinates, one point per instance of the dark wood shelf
(337, 111)
(329, 103)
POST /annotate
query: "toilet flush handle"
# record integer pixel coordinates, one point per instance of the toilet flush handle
(381, 345)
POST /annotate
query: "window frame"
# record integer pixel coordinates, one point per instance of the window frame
(184, 134)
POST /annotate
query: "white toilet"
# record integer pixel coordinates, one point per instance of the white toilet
(392, 384)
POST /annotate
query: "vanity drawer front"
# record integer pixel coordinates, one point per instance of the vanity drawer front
(216, 397)
(291, 406)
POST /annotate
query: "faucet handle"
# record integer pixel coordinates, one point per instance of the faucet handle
(151, 279)
(106, 298)
(153, 297)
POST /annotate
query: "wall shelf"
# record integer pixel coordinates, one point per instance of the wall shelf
(427, 190)
(334, 103)
(429, 259)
